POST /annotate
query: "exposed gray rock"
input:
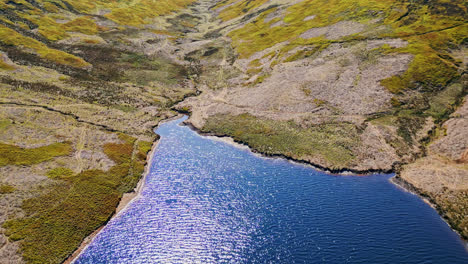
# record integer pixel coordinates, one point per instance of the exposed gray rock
(335, 31)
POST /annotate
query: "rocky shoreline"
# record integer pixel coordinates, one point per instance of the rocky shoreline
(406, 186)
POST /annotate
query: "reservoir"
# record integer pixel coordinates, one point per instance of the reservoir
(208, 201)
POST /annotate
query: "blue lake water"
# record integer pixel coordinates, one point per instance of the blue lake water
(206, 201)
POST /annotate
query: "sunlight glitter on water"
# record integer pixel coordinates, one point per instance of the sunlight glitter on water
(206, 201)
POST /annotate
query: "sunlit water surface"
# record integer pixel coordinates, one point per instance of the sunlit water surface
(206, 201)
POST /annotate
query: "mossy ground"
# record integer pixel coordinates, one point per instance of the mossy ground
(13, 38)
(333, 143)
(13, 155)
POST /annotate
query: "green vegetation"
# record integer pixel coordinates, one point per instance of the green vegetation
(253, 71)
(315, 45)
(14, 155)
(57, 31)
(431, 28)
(13, 38)
(131, 13)
(409, 116)
(237, 8)
(5, 189)
(139, 69)
(59, 219)
(259, 35)
(427, 71)
(60, 173)
(453, 207)
(144, 147)
(332, 142)
(443, 104)
(137, 13)
(4, 124)
(260, 79)
(5, 66)
(45, 14)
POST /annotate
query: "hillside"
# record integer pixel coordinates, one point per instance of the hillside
(345, 85)
(83, 83)
(356, 86)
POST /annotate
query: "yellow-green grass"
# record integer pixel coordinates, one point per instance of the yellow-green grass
(60, 173)
(57, 31)
(255, 63)
(453, 205)
(14, 155)
(77, 204)
(5, 66)
(4, 124)
(224, 3)
(331, 142)
(431, 29)
(432, 67)
(261, 78)
(259, 35)
(13, 38)
(47, 25)
(137, 13)
(144, 147)
(239, 8)
(5, 189)
(131, 13)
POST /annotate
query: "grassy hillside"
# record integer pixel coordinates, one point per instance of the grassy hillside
(344, 84)
(269, 33)
(82, 84)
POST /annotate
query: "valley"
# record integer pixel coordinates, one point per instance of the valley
(347, 86)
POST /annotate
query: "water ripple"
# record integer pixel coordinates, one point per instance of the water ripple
(206, 201)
